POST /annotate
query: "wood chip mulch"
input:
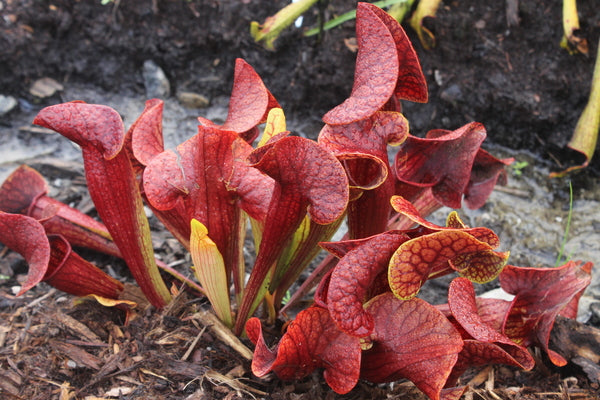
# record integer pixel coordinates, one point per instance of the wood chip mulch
(54, 348)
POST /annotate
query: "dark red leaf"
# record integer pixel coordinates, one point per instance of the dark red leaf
(411, 84)
(19, 191)
(353, 277)
(571, 309)
(453, 222)
(493, 311)
(195, 175)
(312, 341)
(146, 132)
(461, 299)
(89, 125)
(486, 173)
(144, 141)
(320, 296)
(311, 180)
(52, 260)
(361, 147)
(442, 162)
(376, 71)
(249, 104)
(366, 139)
(342, 247)
(113, 186)
(489, 345)
(411, 340)
(68, 272)
(312, 171)
(26, 236)
(252, 187)
(24, 191)
(386, 65)
(477, 353)
(540, 295)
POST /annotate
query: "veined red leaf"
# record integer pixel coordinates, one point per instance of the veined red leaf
(453, 222)
(252, 187)
(414, 261)
(68, 272)
(340, 248)
(20, 190)
(313, 171)
(493, 311)
(113, 186)
(25, 192)
(195, 175)
(488, 345)
(413, 340)
(249, 104)
(312, 341)
(462, 303)
(386, 65)
(442, 162)
(487, 171)
(144, 140)
(26, 236)
(411, 83)
(361, 147)
(571, 309)
(89, 125)
(352, 278)
(540, 295)
(376, 71)
(367, 140)
(322, 273)
(51, 259)
(312, 180)
(476, 353)
(146, 133)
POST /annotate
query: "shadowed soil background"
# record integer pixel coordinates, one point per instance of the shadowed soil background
(513, 78)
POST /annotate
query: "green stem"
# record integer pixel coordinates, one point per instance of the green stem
(567, 227)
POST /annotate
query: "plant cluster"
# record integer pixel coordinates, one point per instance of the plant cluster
(366, 321)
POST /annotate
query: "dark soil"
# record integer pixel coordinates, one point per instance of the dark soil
(516, 80)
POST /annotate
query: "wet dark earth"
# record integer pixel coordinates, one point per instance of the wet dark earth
(514, 78)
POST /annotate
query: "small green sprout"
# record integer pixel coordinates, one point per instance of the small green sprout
(559, 259)
(399, 8)
(517, 167)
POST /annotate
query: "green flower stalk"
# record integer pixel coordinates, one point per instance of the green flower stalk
(585, 136)
(272, 27)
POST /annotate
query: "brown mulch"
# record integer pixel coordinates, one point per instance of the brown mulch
(51, 348)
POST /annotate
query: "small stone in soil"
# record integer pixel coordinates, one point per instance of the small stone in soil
(155, 81)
